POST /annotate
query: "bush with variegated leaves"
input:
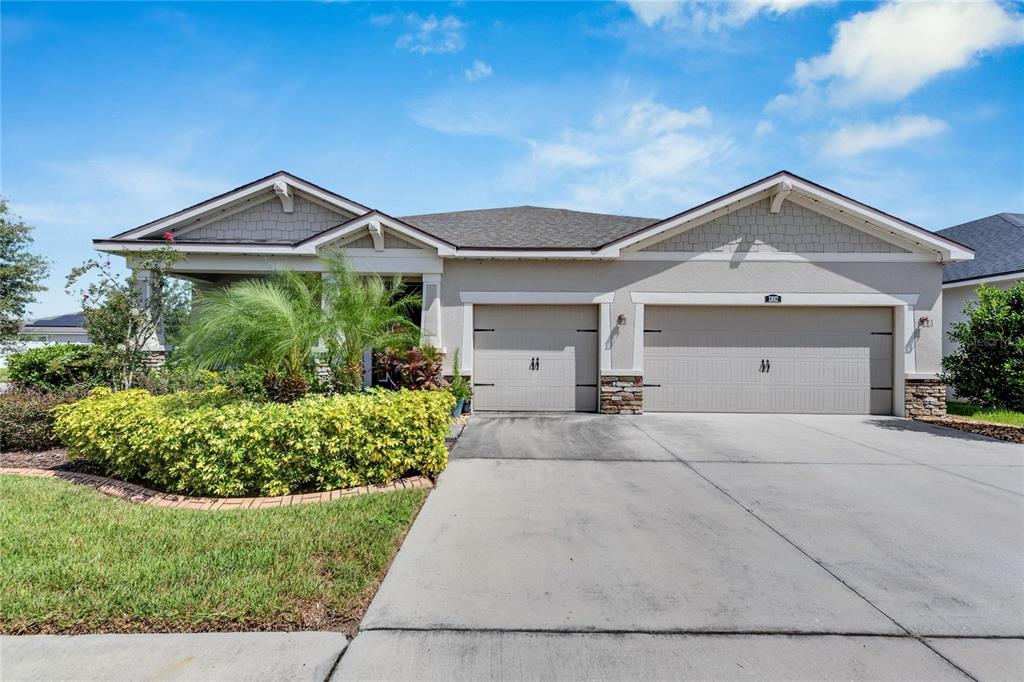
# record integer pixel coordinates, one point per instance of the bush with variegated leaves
(210, 443)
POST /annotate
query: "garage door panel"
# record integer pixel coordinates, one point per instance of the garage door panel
(535, 357)
(821, 359)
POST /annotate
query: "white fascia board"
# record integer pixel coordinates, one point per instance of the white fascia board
(951, 252)
(529, 254)
(757, 299)
(986, 279)
(226, 200)
(535, 297)
(777, 257)
(364, 222)
(53, 330)
(366, 260)
(694, 217)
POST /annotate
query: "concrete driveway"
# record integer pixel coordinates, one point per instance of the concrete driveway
(710, 546)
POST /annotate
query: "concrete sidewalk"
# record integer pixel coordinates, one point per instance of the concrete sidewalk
(222, 656)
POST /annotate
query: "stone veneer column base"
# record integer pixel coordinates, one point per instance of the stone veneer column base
(622, 394)
(925, 398)
(154, 359)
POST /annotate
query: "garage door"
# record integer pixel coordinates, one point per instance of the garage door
(535, 357)
(755, 359)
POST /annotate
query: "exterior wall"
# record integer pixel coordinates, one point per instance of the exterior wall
(267, 222)
(794, 229)
(624, 277)
(621, 394)
(925, 398)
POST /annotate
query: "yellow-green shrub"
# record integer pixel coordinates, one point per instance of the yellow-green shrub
(210, 443)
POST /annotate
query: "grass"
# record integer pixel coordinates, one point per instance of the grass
(986, 414)
(75, 561)
(4, 374)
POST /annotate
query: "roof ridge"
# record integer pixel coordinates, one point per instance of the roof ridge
(1015, 219)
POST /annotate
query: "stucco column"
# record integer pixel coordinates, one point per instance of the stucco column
(144, 284)
(430, 315)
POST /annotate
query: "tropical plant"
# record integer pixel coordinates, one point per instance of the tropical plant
(284, 322)
(368, 312)
(460, 387)
(123, 313)
(987, 368)
(275, 323)
(21, 274)
(412, 368)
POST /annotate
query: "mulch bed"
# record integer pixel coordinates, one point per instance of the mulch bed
(56, 460)
(1008, 432)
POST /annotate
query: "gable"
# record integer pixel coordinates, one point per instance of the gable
(390, 242)
(794, 229)
(268, 222)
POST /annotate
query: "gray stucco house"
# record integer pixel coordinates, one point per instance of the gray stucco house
(781, 296)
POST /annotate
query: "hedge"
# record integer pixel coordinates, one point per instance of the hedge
(26, 418)
(58, 367)
(210, 443)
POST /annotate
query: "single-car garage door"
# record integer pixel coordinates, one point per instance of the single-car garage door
(755, 359)
(535, 357)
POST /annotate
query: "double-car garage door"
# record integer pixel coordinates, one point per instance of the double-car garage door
(696, 359)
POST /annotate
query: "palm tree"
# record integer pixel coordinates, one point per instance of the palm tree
(274, 323)
(367, 311)
(280, 322)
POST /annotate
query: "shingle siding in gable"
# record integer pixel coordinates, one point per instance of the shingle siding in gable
(390, 242)
(794, 229)
(267, 222)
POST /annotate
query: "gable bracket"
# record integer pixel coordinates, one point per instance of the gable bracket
(286, 196)
(377, 234)
(780, 195)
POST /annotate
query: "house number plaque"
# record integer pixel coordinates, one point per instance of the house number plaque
(772, 298)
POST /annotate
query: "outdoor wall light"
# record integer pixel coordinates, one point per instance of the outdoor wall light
(622, 320)
(924, 321)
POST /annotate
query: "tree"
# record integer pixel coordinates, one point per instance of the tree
(123, 313)
(20, 273)
(988, 367)
(283, 322)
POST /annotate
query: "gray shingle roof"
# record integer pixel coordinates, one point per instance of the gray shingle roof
(998, 243)
(527, 227)
(66, 320)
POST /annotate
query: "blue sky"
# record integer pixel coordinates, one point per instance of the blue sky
(117, 113)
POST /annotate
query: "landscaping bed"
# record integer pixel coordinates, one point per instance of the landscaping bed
(1008, 432)
(77, 562)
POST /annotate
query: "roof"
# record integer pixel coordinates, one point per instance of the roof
(998, 243)
(527, 227)
(66, 320)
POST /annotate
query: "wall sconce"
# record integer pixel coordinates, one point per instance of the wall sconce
(924, 321)
(621, 321)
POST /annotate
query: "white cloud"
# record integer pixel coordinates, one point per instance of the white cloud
(863, 137)
(641, 153)
(710, 16)
(888, 52)
(764, 127)
(478, 70)
(432, 35)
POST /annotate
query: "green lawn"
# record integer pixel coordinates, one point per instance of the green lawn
(4, 375)
(989, 415)
(75, 561)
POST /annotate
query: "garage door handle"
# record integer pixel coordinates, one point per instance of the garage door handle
(762, 366)
(537, 366)
(768, 365)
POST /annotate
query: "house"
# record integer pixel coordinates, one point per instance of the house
(998, 243)
(67, 328)
(780, 296)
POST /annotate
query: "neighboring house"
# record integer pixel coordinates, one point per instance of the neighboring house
(998, 243)
(781, 296)
(69, 328)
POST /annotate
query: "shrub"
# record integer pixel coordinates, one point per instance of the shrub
(58, 367)
(413, 368)
(26, 418)
(210, 443)
(988, 367)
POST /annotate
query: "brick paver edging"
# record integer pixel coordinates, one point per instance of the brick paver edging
(140, 495)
